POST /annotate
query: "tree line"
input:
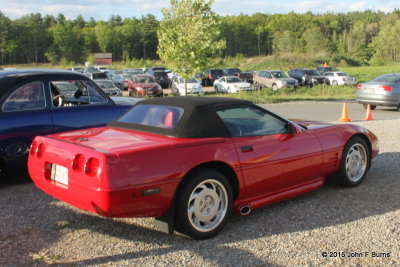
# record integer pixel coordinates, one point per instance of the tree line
(362, 37)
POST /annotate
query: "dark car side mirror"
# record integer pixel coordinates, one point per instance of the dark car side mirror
(292, 129)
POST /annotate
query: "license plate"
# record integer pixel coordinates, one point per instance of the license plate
(59, 174)
(369, 90)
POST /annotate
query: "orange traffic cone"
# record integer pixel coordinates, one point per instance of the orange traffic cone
(368, 116)
(345, 117)
(326, 64)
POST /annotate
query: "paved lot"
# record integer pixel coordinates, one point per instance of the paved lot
(331, 226)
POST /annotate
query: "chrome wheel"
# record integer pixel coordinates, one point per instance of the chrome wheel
(207, 205)
(356, 162)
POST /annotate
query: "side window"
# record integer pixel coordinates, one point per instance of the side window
(26, 97)
(251, 121)
(74, 93)
(268, 75)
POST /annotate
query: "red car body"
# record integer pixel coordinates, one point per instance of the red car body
(144, 85)
(136, 171)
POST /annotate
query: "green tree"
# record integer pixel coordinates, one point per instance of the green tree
(189, 37)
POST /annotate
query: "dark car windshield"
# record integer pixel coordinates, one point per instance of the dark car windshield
(389, 78)
(160, 116)
(159, 74)
(311, 73)
(144, 79)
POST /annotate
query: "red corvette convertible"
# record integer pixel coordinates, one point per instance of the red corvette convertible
(217, 155)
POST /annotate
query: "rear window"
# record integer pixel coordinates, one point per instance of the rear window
(389, 78)
(99, 75)
(160, 74)
(217, 72)
(160, 116)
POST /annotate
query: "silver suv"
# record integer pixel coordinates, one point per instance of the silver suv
(275, 79)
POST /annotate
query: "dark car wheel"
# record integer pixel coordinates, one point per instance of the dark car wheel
(354, 163)
(365, 106)
(204, 204)
(216, 88)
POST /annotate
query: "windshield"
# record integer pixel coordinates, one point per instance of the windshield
(160, 116)
(311, 73)
(105, 84)
(389, 78)
(144, 79)
(233, 80)
(279, 74)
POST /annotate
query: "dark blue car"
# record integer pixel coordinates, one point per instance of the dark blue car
(39, 102)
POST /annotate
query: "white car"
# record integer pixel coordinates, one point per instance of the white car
(193, 86)
(339, 78)
(231, 84)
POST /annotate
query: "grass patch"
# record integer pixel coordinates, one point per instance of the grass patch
(316, 93)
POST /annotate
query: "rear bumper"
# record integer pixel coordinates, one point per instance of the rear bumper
(378, 100)
(129, 201)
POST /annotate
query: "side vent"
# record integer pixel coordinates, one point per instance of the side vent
(332, 161)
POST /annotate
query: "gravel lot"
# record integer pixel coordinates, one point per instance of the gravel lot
(353, 226)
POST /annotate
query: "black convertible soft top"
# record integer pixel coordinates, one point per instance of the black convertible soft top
(199, 119)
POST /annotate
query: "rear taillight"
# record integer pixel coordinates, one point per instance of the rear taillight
(210, 76)
(78, 162)
(92, 166)
(386, 88)
(359, 86)
(33, 149)
(40, 150)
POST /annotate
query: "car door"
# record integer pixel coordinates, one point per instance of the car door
(88, 108)
(272, 158)
(24, 114)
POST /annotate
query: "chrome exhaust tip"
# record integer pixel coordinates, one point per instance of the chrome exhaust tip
(244, 210)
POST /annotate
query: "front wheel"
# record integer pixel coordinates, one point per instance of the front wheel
(354, 163)
(204, 204)
(334, 83)
(274, 87)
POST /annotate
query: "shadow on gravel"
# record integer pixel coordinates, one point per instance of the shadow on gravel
(329, 206)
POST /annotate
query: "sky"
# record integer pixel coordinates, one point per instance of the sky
(104, 9)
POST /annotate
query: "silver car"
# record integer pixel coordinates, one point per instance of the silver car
(109, 87)
(381, 91)
(275, 79)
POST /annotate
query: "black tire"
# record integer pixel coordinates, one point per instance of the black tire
(275, 87)
(196, 212)
(334, 83)
(216, 88)
(354, 163)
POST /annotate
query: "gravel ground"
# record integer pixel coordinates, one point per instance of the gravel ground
(354, 227)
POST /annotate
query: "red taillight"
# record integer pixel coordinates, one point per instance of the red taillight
(359, 86)
(40, 150)
(386, 88)
(92, 166)
(33, 149)
(78, 162)
(210, 76)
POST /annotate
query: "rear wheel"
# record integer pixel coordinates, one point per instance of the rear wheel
(216, 88)
(204, 204)
(354, 162)
(334, 83)
(274, 87)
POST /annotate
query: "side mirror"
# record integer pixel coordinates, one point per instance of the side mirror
(292, 129)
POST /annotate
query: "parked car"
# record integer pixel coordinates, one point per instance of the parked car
(245, 76)
(193, 86)
(275, 79)
(307, 77)
(122, 80)
(96, 75)
(39, 102)
(78, 69)
(101, 69)
(322, 69)
(209, 76)
(109, 87)
(384, 90)
(339, 78)
(233, 156)
(231, 84)
(161, 77)
(144, 85)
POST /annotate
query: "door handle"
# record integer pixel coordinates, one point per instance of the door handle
(247, 148)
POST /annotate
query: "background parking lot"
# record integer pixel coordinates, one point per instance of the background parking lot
(307, 230)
